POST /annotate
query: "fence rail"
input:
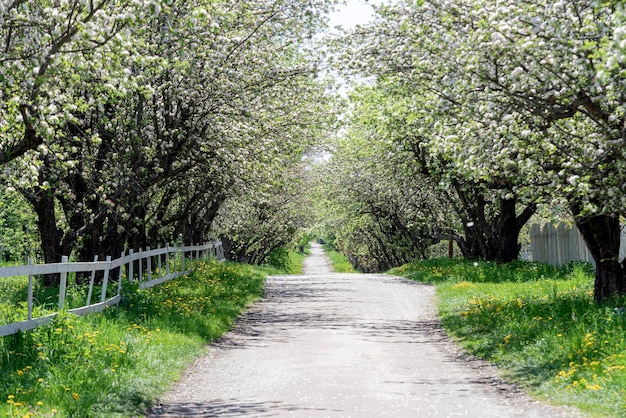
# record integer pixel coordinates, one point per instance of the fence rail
(171, 262)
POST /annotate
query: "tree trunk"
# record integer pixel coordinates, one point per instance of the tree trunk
(491, 225)
(227, 247)
(602, 236)
(43, 205)
(473, 245)
(506, 229)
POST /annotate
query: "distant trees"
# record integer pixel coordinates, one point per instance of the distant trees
(266, 220)
(380, 211)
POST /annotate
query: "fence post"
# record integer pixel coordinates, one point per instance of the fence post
(130, 265)
(167, 259)
(182, 249)
(159, 264)
(120, 276)
(63, 284)
(149, 265)
(175, 261)
(219, 250)
(93, 276)
(140, 266)
(29, 302)
(105, 280)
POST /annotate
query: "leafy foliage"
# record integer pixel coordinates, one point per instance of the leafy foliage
(130, 124)
(377, 210)
(18, 229)
(255, 226)
(511, 105)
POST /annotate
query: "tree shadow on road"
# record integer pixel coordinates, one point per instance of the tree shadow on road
(403, 332)
(223, 408)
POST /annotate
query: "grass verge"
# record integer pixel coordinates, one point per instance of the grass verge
(339, 261)
(296, 260)
(114, 364)
(539, 324)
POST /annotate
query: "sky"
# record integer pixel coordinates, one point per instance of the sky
(353, 13)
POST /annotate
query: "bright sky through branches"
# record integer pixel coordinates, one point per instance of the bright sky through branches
(355, 12)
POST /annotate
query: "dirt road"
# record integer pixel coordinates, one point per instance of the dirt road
(343, 345)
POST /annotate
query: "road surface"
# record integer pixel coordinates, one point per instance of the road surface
(343, 345)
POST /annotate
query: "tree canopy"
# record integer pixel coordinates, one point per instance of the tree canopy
(510, 105)
(127, 124)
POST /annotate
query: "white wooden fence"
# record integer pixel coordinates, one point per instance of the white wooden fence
(171, 262)
(556, 245)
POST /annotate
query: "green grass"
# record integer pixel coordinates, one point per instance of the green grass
(285, 261)
(537, 323)
(339, 261)
(117, 362)
(296, 260)
(14, 291)
(290, 262)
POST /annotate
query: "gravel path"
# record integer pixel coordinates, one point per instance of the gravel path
(343, 345)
